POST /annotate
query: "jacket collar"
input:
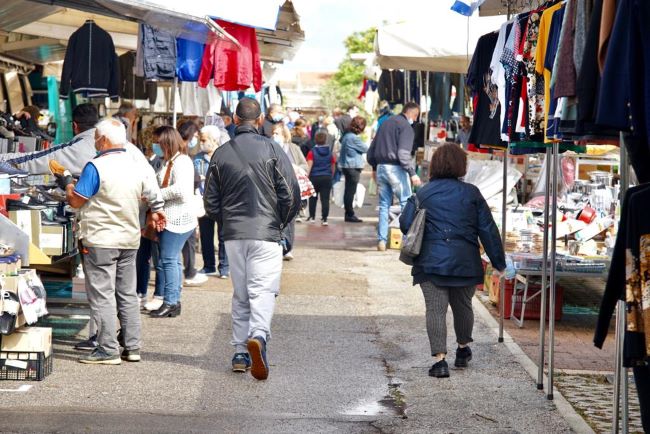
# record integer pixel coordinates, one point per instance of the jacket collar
(242, 129)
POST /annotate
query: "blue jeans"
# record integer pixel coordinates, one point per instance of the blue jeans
(147, 252)
(392, 180)
(170, 267)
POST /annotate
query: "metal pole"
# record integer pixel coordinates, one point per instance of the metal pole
(502, 283)
(621, 373)
(542, 315)
(551, 307)
(428, 106)
(174, 101)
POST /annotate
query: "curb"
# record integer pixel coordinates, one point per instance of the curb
(575, 421)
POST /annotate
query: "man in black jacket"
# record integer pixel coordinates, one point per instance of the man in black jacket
(252, 192)
(390, 157)
(273, 116)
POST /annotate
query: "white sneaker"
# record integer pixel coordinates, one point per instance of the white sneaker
(199, 279)
(288, 257)
(153, 304)
(324, 223)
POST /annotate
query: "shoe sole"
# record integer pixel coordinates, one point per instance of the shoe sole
(240, 368)
(84, 348)
(259, 370)
(169, 315)
(439, 374)
(101, 362)
(462, 363)
(132, 358)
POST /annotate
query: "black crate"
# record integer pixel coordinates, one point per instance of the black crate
(33, 366)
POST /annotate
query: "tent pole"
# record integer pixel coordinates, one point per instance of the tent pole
(552, 300)
(175, 85)
(502, 283)
(426, 104)
(542, 314)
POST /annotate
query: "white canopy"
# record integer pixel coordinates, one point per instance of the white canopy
(440, 44)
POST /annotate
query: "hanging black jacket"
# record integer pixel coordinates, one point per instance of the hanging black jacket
(90, 67)
(132, 86)
(251, 190)
(391, 86)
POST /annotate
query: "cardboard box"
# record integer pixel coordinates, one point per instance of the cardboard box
(29, 339)
(394, 238)
(52, 240)
(28, 221)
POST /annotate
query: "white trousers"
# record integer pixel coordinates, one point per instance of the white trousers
(255, 270)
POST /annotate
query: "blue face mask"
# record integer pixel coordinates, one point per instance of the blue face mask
(157, 150)
(193, 142)
(278, 118)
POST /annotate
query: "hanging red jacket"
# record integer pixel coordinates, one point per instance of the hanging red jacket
(232, 67)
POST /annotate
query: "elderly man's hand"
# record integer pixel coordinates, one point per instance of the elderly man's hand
(159, 220)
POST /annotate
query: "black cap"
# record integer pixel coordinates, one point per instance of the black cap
(248, 109)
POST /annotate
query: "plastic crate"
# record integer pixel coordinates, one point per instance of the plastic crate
(17, 365)
(532, 306)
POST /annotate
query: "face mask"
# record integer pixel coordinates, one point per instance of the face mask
(193, 142)
(278, 139)
(206, 147)
(278, 117)
(410, 121)
(157, 150)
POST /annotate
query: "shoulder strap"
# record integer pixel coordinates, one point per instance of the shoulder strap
(418, 202)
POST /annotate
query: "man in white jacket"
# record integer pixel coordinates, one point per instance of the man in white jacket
(73, 155)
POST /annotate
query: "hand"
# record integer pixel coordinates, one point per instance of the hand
(159, 220)
(63, 180)
(416, 180)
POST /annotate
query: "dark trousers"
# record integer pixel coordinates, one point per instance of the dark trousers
(289, 233)
(148, 250)
(323, 187)
(642, 380)
(351, 180)
(206, 227)
(189, 257)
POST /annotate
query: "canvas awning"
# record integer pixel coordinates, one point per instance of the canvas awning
(445, 45)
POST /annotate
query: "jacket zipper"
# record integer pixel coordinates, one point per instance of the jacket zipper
(90, 51)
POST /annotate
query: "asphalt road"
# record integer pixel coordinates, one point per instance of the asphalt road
(349, 353)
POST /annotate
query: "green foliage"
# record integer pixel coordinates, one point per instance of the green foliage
(342, 89)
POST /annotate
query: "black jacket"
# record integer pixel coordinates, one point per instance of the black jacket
(251, 189)
(132, 86)
(457, 218)
(393, 144)
(90, 67)
(267, 127)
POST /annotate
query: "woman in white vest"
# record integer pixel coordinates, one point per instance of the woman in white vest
(176, 180)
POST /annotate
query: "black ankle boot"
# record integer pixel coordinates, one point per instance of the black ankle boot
(167, 311)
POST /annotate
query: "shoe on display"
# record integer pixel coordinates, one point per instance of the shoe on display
(288, 257)
(381, 246)
(241, 362)
(324, 223)
(463, 356)
(439, 369)
(197, 280)
(353, 219)
(19, 204)
(100, 357)
(259, 363)
(12, 171)
(87, 345)
(131, 355)
(153, 304)
(9, 307)
(167, 311)
(208, 271)
(7, 134)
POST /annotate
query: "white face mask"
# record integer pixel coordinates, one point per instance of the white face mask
(278, 139)
(207, 147)
(193, 142)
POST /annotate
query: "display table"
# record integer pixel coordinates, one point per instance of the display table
(526, 278)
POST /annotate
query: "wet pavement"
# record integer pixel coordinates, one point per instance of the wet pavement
(349, 353)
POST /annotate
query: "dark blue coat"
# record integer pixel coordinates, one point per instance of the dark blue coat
(457, 217)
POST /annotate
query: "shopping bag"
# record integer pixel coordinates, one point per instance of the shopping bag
(372, 187)
(337, 193)
(359, 196)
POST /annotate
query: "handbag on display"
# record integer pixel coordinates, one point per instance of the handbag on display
(412, 240)
(150, 232)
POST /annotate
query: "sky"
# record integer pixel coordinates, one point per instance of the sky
(327, 23)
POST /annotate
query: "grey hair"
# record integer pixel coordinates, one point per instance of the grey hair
(216, 134)
(125, 108)
(113, 130)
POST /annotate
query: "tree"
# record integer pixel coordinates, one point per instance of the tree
(342, 89)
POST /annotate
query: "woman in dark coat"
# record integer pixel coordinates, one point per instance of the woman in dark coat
(449, 265)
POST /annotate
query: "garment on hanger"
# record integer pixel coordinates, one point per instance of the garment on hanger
(200, 101)
(132, 86)
(232, 67)
(189, 56)
(564, 71)
(90, 67)
(156, 56)
(391, 86)
(486, 126)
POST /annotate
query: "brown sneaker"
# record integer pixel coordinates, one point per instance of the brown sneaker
(381, 246)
